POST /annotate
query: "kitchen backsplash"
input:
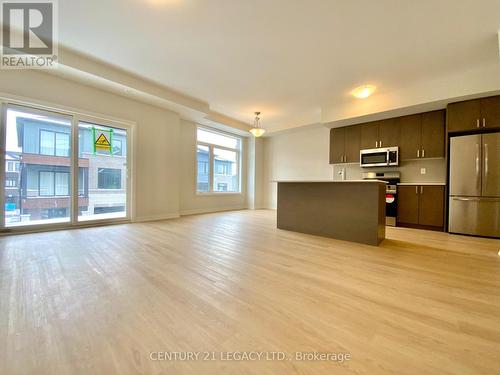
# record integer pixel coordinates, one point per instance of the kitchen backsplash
(435, 170)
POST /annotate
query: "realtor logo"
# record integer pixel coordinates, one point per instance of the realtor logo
(29, 34)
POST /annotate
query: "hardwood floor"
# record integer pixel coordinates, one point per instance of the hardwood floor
(100, 300)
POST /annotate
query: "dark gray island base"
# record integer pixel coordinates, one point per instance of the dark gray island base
(345, 210)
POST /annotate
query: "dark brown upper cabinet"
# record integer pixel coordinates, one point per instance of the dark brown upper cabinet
(475, 114)
(411, 136)
(352, 144)
(490, 112)
(337, 145)
(422, 135)
(463, 116)
(376, 134)
(433, 134)
(369, 135)
(344, 145)
(388, 133)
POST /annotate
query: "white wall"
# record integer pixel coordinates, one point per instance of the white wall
(164, 146)
(303, 154)
(297, 154)
(190, 202)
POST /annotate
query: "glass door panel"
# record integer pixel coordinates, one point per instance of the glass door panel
(37, 179)
(102, 172)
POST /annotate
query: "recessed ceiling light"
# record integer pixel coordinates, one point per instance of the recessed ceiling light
(363, 92)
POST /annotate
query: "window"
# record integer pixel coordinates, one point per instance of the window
(62, 183)
(222, 167)
(12, 166)
(82, 178)
(203, 167)
(203, 178)
(117, 147)
(10, 182)
(62, 144)
(108, 178)
(54, 143)
(222, 153)
(222, 186)
(47, 140)
(53, 183)
(46, 184)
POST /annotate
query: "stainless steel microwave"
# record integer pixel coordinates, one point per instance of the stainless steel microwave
(379, 157)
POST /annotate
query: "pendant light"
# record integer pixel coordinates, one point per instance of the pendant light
(257, 131)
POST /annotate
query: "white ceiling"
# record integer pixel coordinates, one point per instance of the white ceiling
(290, 59)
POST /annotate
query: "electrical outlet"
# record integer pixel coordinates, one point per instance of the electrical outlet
(423, 171)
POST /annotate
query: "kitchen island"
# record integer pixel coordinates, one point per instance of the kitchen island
(344, 210)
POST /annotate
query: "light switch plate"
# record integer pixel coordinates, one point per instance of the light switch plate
(423, 171)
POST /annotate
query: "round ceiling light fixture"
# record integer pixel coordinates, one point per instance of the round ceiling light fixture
(363, 92)
(257, 130)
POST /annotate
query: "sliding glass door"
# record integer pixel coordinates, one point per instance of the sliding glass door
(37, 177)
(61, 170)
(102, 172)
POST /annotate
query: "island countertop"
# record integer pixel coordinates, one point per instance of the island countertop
(332, 181)
(345, 210)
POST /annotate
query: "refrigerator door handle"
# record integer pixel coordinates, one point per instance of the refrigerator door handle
(486, 166)
(466, 199)
(476, 199)
(478, 167)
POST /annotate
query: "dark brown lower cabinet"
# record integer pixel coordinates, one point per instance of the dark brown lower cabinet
(431, 206)
(408, 204)
(421, 206)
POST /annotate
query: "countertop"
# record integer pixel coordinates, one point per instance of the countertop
(336, 182)
(423, 183)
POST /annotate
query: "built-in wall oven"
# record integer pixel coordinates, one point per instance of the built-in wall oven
(391, 193)
(379, 157)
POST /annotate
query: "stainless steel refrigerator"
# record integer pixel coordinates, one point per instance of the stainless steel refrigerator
(474, 202)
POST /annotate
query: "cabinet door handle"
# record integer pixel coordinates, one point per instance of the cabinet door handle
(416, 189)
(376, 143)
(484, 122)
(418, 153)
(380, 143)
(477, 123)
(423, 153)
(422, 189)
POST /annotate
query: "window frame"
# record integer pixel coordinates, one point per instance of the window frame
(211, 163)
(76, 116)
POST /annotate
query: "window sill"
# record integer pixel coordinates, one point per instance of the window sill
(212, 193)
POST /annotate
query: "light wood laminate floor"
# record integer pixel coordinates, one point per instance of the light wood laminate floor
(100, 300)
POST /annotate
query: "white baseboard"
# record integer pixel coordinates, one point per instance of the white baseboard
(209, 210)
(142, 219)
